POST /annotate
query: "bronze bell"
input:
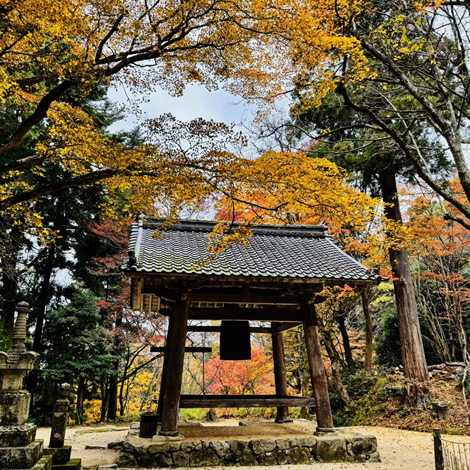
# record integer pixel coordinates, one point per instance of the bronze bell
(235, 344)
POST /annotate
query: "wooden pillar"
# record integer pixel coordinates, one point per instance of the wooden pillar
(317, 369)
(161, 394)
(174, 375)
(279, 372)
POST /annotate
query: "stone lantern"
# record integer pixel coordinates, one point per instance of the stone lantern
(14, 402)
(18, 447)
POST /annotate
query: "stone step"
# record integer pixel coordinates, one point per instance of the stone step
(72, 464)
(18, 435)
(21, 457)
(45, 463)
(60, 455)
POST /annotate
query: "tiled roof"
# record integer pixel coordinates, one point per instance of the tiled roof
(273, 251)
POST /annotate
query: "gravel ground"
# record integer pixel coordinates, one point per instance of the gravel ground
(398, 449)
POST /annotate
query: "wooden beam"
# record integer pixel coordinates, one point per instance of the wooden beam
(244, 401)
(187, 349)
(290, 318)
(279, 373)
(230, 296)
(317, 369)
(177, 330)
(216, 329)
(254, 314)
(287, 326)
(187, 280)
(243, 298)
(196, 280)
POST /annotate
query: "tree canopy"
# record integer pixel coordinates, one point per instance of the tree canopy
(50, 52)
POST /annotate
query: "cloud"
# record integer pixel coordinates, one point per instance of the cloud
(196, 102)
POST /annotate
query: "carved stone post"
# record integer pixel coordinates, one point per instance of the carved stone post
(14, 402)
(61, 453)
(60, 418)
(18, 448)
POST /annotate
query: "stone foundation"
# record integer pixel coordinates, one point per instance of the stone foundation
(177, 451)
(45, 463)
(17, 435)
(60, 456)
(21, 457)
(14, 407)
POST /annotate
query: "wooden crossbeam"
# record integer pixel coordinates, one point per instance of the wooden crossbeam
(216, 329)
(241, 298)
(255, 314)
(253, 329)
(244, 401)
(287, 326)
(231, 296)
(187, 349)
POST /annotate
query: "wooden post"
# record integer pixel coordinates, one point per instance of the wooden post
(317, 369)
(279, 373)
(174, 375)
(438, 455)
(161, 394)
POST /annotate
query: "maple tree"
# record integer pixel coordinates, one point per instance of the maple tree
(302, 190)
(131, 332)
(50, 51)
(441, 249)
(349, 215)
(254, 377)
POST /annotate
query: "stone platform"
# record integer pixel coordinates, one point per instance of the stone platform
(259, 443)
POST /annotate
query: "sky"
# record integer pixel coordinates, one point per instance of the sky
(196, 102)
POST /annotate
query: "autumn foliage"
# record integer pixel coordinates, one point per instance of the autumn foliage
(253, 377)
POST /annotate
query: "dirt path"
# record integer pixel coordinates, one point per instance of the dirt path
(398, 449)
(79, 437)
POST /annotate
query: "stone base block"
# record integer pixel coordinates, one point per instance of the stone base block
(60, 455)
(283, 420)
(45, 463)
(73, 464)
(362, 448)
(14, 407)
(17, 435)
(21, 457)
(303, 450)
(330, 449)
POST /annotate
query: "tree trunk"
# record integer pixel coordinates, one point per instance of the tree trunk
(369, 338)
(104, 398)
(335, 366)
(8, 262)
(304, 384)
(346, 342)
(113, 380)
(412, 351)
(80, 399)
(113, 397)
(42, 301)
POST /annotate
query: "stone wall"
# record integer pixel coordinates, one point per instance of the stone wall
(177, 452)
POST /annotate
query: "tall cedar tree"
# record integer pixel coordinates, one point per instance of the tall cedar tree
(376, 167)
